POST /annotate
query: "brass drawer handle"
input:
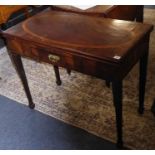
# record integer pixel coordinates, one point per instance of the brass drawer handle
(53, 58)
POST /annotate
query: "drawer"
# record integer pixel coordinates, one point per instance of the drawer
(52, 56)
(75, 62)
(64, 59)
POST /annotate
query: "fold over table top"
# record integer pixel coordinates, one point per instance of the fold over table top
(106, 39)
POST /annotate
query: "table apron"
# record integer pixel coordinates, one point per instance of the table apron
(87, 65)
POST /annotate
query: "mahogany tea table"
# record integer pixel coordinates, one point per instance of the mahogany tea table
(104, 48)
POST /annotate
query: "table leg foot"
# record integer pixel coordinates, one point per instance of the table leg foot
(107, 83)
(58, 82)
(141, 110)
(31, 105)
(69, 71)
(119, 145)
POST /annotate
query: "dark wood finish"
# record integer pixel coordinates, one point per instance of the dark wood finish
(107, 83)
(153, 108)
(117, 98)
(68, 71)
(124, 12)
(78, 42)
(16, 60)
(6, 12)
(142, 78)
(140, 14)
(56, 70)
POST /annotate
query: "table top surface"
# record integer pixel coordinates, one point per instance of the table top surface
(106, 39)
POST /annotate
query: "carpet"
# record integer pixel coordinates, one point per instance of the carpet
(84, 101)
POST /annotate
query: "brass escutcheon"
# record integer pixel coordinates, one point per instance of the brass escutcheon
(53, 58)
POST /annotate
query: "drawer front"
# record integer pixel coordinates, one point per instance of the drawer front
(64, 59)
(52, 56)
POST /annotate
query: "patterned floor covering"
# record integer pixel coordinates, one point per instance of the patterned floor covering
(85, 101)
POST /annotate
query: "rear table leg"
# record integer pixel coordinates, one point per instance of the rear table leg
(56, 70)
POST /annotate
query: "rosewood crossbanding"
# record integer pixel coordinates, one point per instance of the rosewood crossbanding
(104, 48)
(83, 30)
